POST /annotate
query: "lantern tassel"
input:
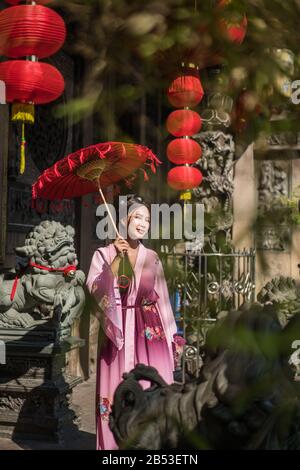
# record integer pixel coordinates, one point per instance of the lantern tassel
(23, 112)
(22, 151)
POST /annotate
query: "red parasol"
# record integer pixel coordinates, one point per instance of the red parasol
(91, 169)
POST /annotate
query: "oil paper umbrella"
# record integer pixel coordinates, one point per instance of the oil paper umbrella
(92, 169)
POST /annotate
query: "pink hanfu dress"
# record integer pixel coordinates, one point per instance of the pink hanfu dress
(139, 328)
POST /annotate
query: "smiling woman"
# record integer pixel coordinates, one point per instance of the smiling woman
(128, 284)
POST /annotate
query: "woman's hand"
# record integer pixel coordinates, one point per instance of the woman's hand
(121, 246)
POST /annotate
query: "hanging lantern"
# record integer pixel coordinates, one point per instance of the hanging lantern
(184, 177)
(235, 28)
(184, 122)
(181, 151)
(28, 83)
(34, 32)
(31, 82)
(185, 91)
(30, 30)
(16, 2)
(234, 31)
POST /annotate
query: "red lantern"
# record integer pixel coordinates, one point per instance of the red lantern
(233, 30)
(31, 82)
(181, 151)
(15, 2)
(184, 177)
(30, 31)
(184, 122)
(185, 91)
(27, 30)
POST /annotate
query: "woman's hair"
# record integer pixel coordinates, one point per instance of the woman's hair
(133, 199)
(132, 203)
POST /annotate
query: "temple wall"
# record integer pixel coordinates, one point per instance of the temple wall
(244, 201)
(259, 179)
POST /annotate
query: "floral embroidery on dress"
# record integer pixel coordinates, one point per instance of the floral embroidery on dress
(148, 305)
(155, 332)
(149, 308)
(103, 408)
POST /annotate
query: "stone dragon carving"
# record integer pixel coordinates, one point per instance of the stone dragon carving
(216, 163)
(245, 396)
(46, 284)
(215, 192)
(284, 294)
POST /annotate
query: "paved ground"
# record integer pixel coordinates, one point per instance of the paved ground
(83, 439)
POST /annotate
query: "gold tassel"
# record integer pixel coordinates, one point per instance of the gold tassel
(186, 195)
(23, 112)
(22, 151)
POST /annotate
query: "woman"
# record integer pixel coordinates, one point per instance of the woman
(128, 283)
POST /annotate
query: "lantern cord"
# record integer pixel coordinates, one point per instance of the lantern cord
(22, 150)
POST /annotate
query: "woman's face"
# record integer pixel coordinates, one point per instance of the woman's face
(139, 223)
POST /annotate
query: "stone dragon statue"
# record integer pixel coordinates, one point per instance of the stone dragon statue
(46, 284)
(244, 398)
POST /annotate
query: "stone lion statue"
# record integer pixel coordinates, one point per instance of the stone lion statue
(46, 284)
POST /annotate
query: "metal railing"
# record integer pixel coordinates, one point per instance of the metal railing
(202, 286)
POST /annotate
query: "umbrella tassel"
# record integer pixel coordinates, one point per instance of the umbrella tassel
(22, 150)
(146, 177)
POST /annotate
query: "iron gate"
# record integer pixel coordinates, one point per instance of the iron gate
(202, 286)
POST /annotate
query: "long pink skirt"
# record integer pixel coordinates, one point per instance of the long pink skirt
(150, 348)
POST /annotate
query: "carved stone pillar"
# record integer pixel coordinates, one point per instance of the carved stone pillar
(35, 390)
(216, 164)
(216, 189)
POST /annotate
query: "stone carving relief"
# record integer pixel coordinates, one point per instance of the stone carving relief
(283, 139)
(273, 184)
(273, 187)
(216, 112)
(273, 238)
(23, 214)
(215, 192)
(29, 368)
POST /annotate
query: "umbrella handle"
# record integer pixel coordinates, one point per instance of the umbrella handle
(108, 211)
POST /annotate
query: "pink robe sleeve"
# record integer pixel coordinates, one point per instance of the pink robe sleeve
(164, 304)
(103, 286)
